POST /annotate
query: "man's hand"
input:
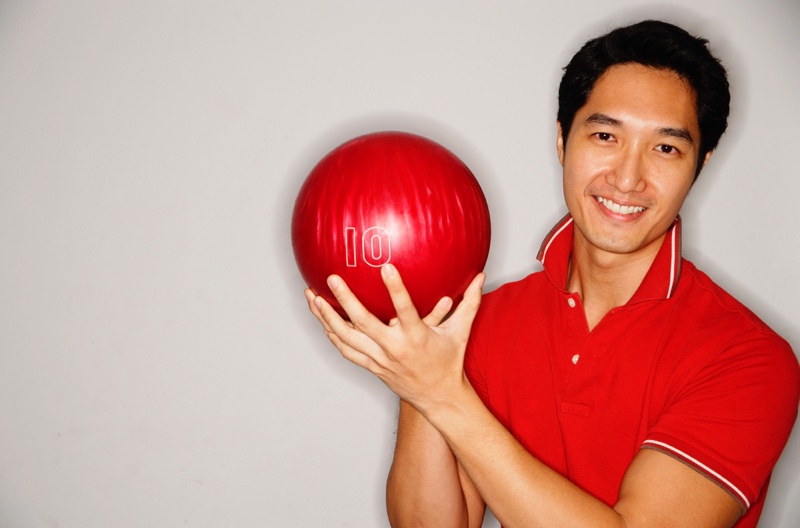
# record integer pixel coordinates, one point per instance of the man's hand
(420, 360)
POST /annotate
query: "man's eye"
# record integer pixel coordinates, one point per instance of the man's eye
(604, 136)
(667, 149)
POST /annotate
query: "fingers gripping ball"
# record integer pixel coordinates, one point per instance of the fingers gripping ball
(391, 197)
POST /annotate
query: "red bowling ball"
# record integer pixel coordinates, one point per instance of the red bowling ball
(391, 197)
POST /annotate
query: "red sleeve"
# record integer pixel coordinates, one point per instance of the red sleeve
(732, 420)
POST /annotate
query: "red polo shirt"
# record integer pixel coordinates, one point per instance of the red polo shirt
(682, 367)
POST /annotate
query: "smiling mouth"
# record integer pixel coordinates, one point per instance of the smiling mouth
(620, 209)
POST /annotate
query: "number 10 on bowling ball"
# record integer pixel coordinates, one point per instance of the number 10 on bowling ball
(391, 197)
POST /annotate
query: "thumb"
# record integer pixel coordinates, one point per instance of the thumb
(467, 309)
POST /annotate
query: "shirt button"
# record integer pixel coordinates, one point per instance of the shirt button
(575, 359)
(571, 302)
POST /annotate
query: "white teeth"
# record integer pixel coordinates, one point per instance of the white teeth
(617, 208)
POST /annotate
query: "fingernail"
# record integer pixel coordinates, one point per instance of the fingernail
(389, 270)
(333, 282)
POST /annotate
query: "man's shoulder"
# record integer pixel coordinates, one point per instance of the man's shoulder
(716, 328)
(715, 305)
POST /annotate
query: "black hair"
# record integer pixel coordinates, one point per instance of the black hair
(655, 44)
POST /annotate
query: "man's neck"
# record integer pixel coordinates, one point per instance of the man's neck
(606, 280)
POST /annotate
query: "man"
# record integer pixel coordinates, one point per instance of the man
(619, 386)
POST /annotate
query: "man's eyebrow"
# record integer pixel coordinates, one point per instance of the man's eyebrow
(603, 119)
(678, 133)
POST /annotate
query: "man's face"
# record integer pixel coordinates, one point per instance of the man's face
(630, 159)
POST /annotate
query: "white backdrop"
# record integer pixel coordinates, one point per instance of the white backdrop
(158, 366)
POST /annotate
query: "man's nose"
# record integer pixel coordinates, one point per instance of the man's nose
(627, 174)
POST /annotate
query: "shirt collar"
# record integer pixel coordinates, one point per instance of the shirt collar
(659, 283)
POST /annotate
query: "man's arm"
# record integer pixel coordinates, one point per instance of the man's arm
(657, 490)
(426, 485)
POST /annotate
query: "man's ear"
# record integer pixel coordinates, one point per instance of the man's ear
(702, 165)
(705, 160)
(560, 143)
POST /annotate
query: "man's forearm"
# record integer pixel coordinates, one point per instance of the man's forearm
(424, 487)
(522, 491)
